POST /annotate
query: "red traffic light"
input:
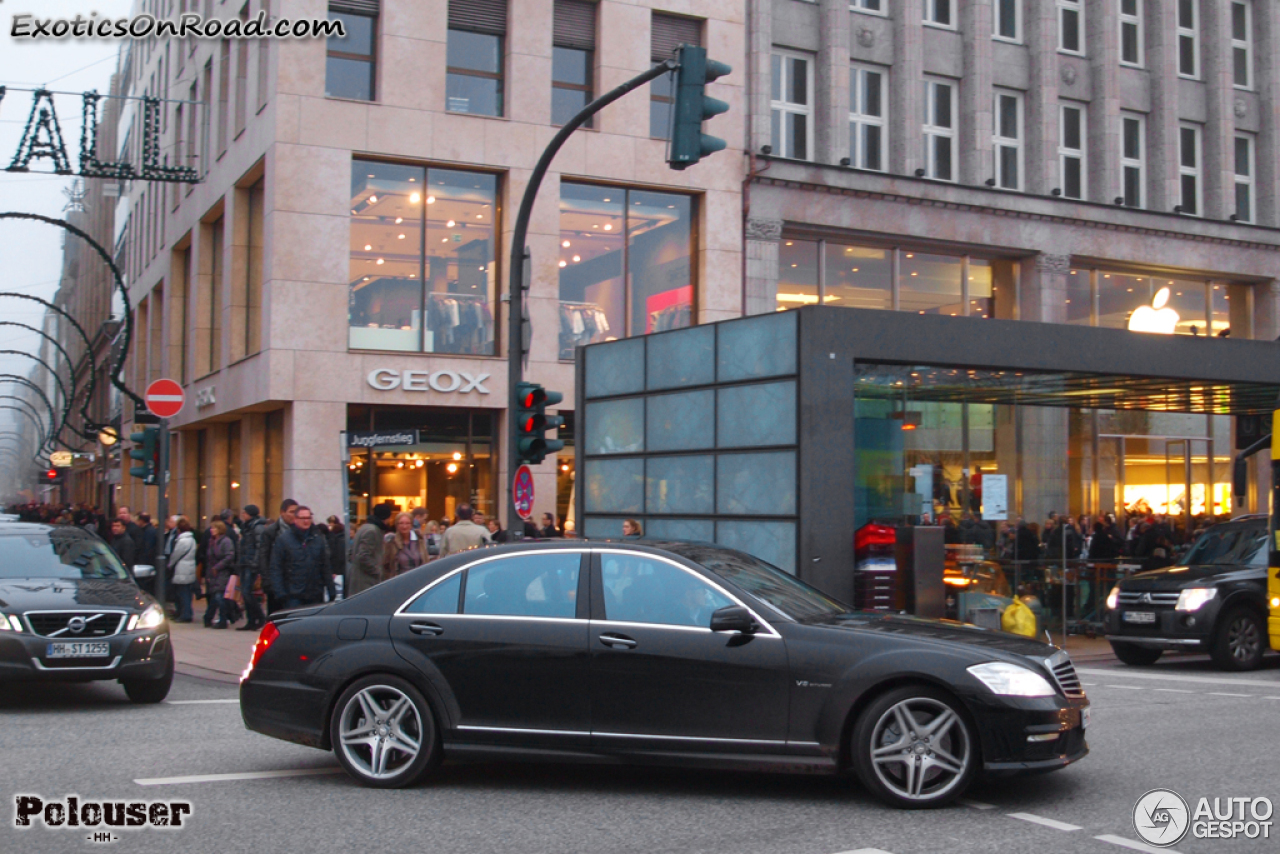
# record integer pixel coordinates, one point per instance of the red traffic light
(52, 473)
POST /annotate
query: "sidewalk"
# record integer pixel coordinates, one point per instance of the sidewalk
(223, 654)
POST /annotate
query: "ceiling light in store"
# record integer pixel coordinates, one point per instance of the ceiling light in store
(910, 255)
(411, 180)
(457, 455)
(414, 198)
(431, 200)
(452, 468)
(577, 258)
(444, 240)
(420, 463)
(373, 200)
(368, 247)
(608, 200)
(370, 175)
(450, 224)
(399, 464)
(380, 261)
(608, 226)
(564, 467)
(915, 274)
(565, 244)
(479, 216)
(399, 237)
(235, 484)
(564, 263)
(399, 220)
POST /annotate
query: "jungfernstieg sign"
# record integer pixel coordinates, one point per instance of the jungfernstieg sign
(443, 381)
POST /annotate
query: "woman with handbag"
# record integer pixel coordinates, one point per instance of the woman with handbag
(403, 550)
(219, 568)
(183, 561)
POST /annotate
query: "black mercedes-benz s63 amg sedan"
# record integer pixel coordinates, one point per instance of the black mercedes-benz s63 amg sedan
(672, 653)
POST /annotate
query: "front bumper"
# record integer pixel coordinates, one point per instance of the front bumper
(133, 655)
(1030, 734)
(1189, 630)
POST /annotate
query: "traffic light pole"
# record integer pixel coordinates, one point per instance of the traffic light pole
(162, 511)
(517, 284)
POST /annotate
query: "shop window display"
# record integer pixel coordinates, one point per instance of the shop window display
(423, 272)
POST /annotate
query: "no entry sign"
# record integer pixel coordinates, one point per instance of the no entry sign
(164, 398)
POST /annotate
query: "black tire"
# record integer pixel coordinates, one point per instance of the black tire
(1131, 653)
(1239, 641)
(386, 738)
(150, 690)
(939, 765)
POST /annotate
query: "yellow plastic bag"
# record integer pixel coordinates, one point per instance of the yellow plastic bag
(1019, 620)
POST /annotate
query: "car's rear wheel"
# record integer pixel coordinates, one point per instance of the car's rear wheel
(1131, 653)
(914, 749)
(383, 732)
(1240, 641)
(150, 690)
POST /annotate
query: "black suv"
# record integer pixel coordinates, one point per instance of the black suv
(1215, 601)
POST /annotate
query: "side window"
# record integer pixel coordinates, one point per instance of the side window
(1253, 549)
(526, 585)
(441, 599)
(640, 590)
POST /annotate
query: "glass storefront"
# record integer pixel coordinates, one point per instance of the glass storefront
(452, 463)
(625, 263)
(423, 270)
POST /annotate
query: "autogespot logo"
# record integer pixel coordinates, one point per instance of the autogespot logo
(1161, 817)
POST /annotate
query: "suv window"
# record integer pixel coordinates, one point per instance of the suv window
(638, 589)
(524, 585)
(1230, 544)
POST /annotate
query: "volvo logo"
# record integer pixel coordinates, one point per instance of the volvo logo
(1145, 598)
(76, 625)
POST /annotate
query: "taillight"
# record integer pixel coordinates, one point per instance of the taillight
(266, 638)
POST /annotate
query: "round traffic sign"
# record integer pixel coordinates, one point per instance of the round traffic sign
(164, 398)
(522, 492)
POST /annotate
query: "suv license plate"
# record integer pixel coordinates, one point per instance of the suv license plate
(1139, 617)
(78, 650)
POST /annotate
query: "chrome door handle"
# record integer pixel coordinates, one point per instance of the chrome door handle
(426, 629)
(612, 640)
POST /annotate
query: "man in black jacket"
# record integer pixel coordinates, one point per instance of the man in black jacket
(122, 543)
(251, 531)
(300, 562)
(270, 532)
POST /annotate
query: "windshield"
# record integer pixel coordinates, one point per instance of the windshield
(1239, 545)
(58, 554)
(784, 592)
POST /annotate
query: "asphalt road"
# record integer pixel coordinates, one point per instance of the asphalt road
(1179, 725)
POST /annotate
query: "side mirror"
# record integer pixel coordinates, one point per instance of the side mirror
(143, 570)
(733, 618)
(1240, 479)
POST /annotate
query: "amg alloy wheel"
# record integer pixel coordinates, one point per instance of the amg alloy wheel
(383, 732)
(913, 748)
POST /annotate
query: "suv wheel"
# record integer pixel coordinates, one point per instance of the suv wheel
(1240, 641)
(1133, 654)
(150, 690)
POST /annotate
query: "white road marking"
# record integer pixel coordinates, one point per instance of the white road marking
(1047, 822)
(1128, 687)
(976, 805)
(1225, 694)
(1088, 684)
(1133, 845)
(1271, 698)
(1175, 690)
(197, 702)
(246, 775)
(865, 851)
(1174, 677)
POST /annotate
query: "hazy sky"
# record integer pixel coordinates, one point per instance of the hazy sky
(30, 253)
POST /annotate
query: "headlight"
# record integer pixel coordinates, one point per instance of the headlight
(1012, 680)
(1194, 598)
(10, 623)
(148, 619)
(1113, 598)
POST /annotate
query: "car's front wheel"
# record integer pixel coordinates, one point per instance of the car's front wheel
(1240, 641)
(150, 690)
(1131, 653)
(914, 749)
(383, 732)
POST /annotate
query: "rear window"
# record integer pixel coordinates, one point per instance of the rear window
(59, 553)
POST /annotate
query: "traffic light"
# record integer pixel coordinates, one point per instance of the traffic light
(146, 450)
(688, 143)
(532, 422)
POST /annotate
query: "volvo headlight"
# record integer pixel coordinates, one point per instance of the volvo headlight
(1011, 680)
(148, 619)
(10, 623)
(1113, 598)
(1194, 598)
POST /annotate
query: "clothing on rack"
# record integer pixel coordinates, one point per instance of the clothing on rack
(460, 323)
(580, 322)
(672, 317)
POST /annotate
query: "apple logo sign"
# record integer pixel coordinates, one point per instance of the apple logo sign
(1157, 317)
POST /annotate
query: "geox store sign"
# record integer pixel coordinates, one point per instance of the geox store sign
(385, 379)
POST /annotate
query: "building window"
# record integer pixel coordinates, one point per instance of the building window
(875, 7)
(1071, 156)
(1008, 23)
(867, 117)
(224, 93)
(473, 82)
(666, 33)
(350, 63)
(1188, 38)
(1131, 46)
(940, 13)
(1244, 178)
(1242, 44)
(1071, 26)
(572, 59)
(1189, 169)
(790, 105)
(939, 129)
(1007, 140)
(423, 270)
(625, 263)
(1133, 160)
